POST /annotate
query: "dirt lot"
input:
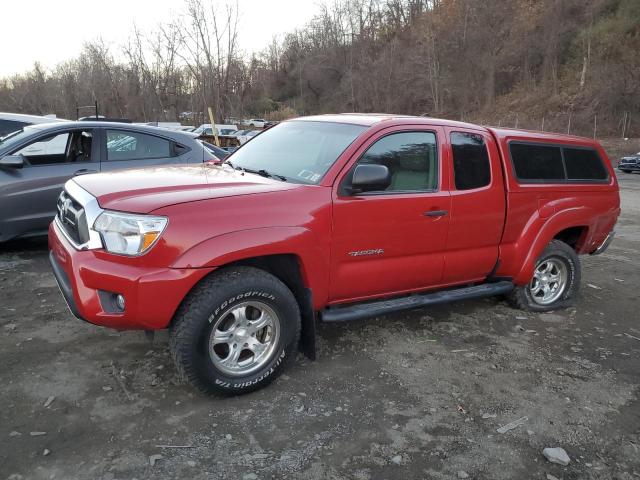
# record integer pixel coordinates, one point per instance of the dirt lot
(416, 395)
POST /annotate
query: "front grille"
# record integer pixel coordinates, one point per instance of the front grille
(629, 161)
(72, 218)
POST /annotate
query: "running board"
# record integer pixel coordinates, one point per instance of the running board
(382, 307)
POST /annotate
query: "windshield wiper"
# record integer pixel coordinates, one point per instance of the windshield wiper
(264, 173)
(230, 163)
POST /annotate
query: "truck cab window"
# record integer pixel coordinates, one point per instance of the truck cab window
(470, 161)
(411, 157)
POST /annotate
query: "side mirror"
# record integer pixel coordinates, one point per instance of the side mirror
(12, 161)
(367, 178)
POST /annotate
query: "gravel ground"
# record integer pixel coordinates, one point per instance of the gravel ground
(414, 395)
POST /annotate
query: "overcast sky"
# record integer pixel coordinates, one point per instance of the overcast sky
(51, 31)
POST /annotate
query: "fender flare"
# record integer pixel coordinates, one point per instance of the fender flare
(537, 236)
(245, 244)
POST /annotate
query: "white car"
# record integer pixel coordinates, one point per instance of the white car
(11, 122)
(248, 136)
(256, 122)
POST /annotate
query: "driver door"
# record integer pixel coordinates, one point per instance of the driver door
(392, 241)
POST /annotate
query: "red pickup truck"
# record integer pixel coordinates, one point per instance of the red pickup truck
(333, 217)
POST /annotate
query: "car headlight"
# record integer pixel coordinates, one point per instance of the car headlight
(129, 234)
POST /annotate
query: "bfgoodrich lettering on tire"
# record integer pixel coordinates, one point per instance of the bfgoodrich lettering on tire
(235, 331)
(556, 279)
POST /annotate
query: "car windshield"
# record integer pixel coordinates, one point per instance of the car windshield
(15, 137)
(299, 151)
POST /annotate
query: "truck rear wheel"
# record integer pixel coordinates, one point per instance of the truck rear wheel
(556, 279)
(235, 331)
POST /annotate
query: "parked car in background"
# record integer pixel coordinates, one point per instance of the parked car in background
(256, 122)
(166, 125)
(239, 133)
(205, 129)
(10, 122)
(337, 217)
(37, 160)
(630, 163)
(244, 138)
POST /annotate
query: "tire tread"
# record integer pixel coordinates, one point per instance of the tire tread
(518, 297)
(197, 304)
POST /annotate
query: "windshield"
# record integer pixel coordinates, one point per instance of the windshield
(15, 137)
(300, 151)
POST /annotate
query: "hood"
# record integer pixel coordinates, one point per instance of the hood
(147, 189)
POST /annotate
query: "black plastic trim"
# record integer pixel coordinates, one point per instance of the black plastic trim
(383, 307)
(307, 343)
(64, 285)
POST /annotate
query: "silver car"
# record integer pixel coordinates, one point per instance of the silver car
(37, 160)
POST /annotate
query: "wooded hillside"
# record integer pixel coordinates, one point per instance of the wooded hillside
(543, 64)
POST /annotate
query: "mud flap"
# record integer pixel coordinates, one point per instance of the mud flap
(307, 343)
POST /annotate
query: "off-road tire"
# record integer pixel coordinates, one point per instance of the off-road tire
(194, 320)
(521, 296)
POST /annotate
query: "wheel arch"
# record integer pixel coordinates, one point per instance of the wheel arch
(573, 236)
(568, 226)
(288, 269)
(291, 254)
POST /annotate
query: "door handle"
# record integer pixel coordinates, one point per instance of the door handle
(436, 213)
(83, 171)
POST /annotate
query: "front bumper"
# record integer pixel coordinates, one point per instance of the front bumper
(152, 295)
(634, 167)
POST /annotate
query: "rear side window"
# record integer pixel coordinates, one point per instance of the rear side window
(470, 161)
(584, 164)
(556, 163)
(124, 145)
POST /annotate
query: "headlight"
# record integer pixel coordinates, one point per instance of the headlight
(128, 234)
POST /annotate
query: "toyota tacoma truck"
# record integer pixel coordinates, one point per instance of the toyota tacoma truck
(329, 218)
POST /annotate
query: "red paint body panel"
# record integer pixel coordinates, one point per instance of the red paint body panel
(143, 190)
(537, 212)
(218, 216)
(152, 294)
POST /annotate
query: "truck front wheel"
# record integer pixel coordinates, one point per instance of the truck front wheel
(235, 331)
(556, 279)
